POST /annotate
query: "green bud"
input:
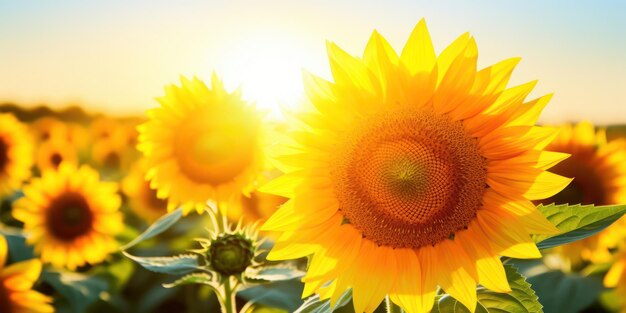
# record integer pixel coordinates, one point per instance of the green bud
(231, 254)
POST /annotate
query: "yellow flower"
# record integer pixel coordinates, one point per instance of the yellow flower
(112, 152)
(51, 153)
(413, 171)
(16, 154)
(202, 144)
(71, 216)
(143, 200)
(16, 282)
(257, 206)
(599, 172)
(46, 128)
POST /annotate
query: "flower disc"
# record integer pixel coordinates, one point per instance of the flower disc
(410, 178)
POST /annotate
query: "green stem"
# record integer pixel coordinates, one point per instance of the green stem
(229, 305)
(392, 307)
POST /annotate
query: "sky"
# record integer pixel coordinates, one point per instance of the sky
(116, 56)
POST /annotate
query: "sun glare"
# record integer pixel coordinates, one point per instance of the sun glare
(268, 66)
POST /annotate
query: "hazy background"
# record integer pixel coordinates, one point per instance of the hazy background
(115, 56)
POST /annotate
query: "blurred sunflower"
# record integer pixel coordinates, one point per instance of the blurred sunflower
(599, 171)
(142, 198)
(113, 152)
(71, 216)
(202, 144)
(51, 153)
(257, 206)
(48, 127)
(16, 282)
(410, 172)
(16, 154)
(103, 128)
(616, 277)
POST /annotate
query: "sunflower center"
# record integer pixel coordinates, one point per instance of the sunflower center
(56, 159)
(69, 217)
(409, 178)
(4, 154)
(215, 146)
(5, 301)
(112, 160)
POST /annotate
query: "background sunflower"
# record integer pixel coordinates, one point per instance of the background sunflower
(71, 216)
(202, 144)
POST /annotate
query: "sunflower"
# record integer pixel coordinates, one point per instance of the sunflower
(51, 153)
(202, 144)
(16, 282)
(47, 127)
(616, 277)
(257, 206)
(16, 154)
(599, 171)
(410, 172)
(112, 152)
(142, 198)
(71, 216)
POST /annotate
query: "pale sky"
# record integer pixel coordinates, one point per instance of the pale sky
(116, 56)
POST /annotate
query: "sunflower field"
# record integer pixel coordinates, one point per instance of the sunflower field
(411, 180)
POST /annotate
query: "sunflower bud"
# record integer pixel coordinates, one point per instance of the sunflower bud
(231, 254)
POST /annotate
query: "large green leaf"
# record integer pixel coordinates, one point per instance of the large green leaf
(521, 299)
(566, 292)
(577, 222)
(79, 290)
(283, 294)
(162, 224)
(269, 273)
(173, 265)
(194, 278)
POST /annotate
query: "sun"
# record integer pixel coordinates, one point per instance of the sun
(268, 65)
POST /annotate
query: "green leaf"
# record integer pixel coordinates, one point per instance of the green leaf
(313, 304)
(577, 222)
(174, 265)
(162, 224)
(566, 292)
(195, 278)
(521, 299)
(284, 294)
(271, 273)
(79, 290)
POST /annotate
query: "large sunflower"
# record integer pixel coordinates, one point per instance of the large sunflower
(71, 216)
(599, 171)
(412, 172)
(16, 282)
(201, 144)
(16, 154)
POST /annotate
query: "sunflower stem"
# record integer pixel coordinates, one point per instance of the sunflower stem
(392, 307)
(229, 303)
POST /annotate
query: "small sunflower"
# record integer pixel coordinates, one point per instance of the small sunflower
(112, 153)
(142, 198)
(51, 153)
(16, 154)
(47, 127)
(202, 144)
(599, 171)
(16, 282)
(71, 216)
(413, 171)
